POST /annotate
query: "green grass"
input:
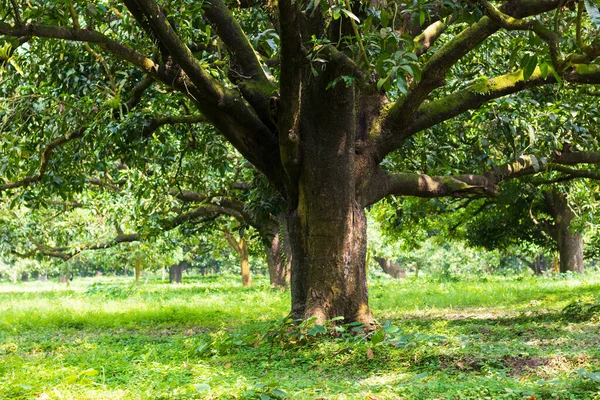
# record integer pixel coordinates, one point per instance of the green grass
(495, 338)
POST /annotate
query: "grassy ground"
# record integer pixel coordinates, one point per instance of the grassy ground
(494, 338)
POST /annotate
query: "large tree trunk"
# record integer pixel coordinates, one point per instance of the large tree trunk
(391, 268)
(328, 227)
(570, 244)
(328, 268)
(279, 258)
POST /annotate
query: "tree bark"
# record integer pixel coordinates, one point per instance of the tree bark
(391, 268)
(329, 268)
(279, 257)
(241, 248)
(138, 269)
(245, 263)
(327, 229)
(570, 244)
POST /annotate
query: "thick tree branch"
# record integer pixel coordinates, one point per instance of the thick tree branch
(105, 185)
(222, 107)
(287, 108)
(82, 35)
(44, 160)
(383, 183)
(156, 123)
(434, 72)
(66, 253)
(428, 37)
(210, 90)
(576, 157)
(478, 93)
(138, 92)
(231, 240)
(246, 69)
(346, 64)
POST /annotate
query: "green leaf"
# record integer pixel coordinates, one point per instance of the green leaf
(401, 84)
(385, 18)
(593, 12)
(544, 69)
(350, 15)
(407, 68)
(556, 76)
(336, 13)
(368, 23)
(421, 18)
(595, 376)
(528, 63)
(319, 328)
(378, 337)
(416, 72)
(89, 372)
(383, 82)
(280, 393)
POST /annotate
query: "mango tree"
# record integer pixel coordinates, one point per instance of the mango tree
(315, 95)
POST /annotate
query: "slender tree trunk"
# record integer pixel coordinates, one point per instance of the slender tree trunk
(279, 258)
(176, 273)
(570, 244)
(138, 269)
(241, 248)
(391, 268)
(245, 264)
(539, 265)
